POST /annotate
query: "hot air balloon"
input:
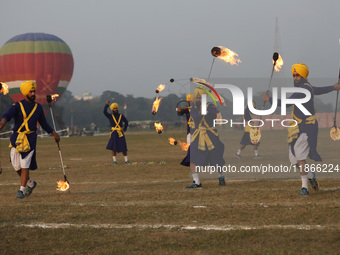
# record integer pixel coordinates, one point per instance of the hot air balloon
(41, 57)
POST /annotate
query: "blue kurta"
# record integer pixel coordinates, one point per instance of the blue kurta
(116, 143)
(310, 129)
(38, 116)
(245, 140)
(205, 157)
(186, 111)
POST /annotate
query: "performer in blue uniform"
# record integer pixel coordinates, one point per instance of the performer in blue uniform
(186, 111)
(302, 138)
(26, 113)
(245, 140)
(117, 141)
(205, 147)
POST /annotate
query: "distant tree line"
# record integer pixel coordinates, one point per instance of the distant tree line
(82, 113)
(85, 112)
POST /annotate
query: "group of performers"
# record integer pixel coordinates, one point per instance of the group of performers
(205, 147)
(26, 114)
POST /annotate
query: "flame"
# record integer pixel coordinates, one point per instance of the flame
(4, 88)
(54, 97)
(335, 133)
(184, 146)
(159, 127)
(160, 88)
(63, 186)
(172, 141)
(156, 105)
(229, 56)
(279, 63)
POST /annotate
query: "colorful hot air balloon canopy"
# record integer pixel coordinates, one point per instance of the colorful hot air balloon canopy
(40, 57)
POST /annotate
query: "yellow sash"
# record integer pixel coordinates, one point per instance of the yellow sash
(203, 138)
(191, 123)
(117, 127)
(293, 132)
(309, 120)
(22, 142)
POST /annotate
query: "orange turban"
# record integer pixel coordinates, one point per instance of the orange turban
(27, 86)
(301, 69)
(114, 105)
(190, 98)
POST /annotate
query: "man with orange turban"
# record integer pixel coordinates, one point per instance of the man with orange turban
(206, 147)
(302, 138)
(117, 141)
(26, 114)
(186, 111)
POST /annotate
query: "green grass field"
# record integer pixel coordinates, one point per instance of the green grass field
(145, 209)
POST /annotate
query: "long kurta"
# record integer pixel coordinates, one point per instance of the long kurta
(186, 111)
(245, 140)
(38, 116)
(116, 143)
(310, 129)
(205, 157)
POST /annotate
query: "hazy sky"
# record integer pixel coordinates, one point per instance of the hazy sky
(133, 46)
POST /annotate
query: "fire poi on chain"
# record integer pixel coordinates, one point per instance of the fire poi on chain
(61, 185)
(155, 105)
(172, 141)
(184, 146)
(159, 127)
(160, 88)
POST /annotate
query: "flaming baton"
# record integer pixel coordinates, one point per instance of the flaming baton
(335, 132)
(3, 88)
(62, 185)
(275, 59)
(224, 54)
(255, 132)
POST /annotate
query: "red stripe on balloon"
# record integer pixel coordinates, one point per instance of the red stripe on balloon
(29, 66)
